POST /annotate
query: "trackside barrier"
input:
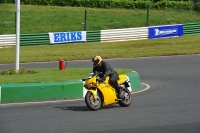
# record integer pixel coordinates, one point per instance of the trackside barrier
(126, 34)
(93, 36)
(25, 39)
(44, 91)
(134, 80)
(40, 91)
(191, 28)
(41, 38)
(111, 35)
(34, 39)
(7, 40)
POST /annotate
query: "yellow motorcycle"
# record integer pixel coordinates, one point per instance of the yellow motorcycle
(103, 94)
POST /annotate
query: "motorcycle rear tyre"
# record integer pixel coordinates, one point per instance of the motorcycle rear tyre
(89, 100)
(125, 102)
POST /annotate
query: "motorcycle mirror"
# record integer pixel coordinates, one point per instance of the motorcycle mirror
(83, 79)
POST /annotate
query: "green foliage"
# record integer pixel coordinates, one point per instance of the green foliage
(127, 4)
(7, 1)
(174, 5)
(197, 6)
(20, 71)
(8, 72)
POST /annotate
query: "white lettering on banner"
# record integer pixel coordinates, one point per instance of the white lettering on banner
(62, 37)
(165, 31)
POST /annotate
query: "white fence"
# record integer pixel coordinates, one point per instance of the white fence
(7, 40)
(112, 35)
(125, 34)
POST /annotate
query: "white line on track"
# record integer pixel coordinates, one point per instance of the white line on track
(147, 87)
(60, 101)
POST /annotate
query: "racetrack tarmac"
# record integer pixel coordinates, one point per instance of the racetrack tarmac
(171, 105)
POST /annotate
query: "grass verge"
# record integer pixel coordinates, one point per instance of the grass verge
(51, 75)
(43, 19)
(129, 49)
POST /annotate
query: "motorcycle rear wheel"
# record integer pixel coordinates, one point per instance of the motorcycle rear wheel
(92, 103)
(127, 98)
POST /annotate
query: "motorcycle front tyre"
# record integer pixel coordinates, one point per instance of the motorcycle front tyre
(91, 103)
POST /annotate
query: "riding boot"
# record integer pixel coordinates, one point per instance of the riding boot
(119, 96)
(115, 85)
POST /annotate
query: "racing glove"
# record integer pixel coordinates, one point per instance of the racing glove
(102, 79)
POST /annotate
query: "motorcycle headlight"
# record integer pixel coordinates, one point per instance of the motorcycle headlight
(86, 86)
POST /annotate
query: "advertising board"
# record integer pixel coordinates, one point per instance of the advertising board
(165, 31)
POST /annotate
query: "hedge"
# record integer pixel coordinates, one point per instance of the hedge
(128, 4)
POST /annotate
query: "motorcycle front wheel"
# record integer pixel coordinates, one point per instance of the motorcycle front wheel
(126, 99)
(92, 103)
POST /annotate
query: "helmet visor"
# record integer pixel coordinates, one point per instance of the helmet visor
(95, 63)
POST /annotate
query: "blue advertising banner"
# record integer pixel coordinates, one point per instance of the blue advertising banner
(165, 31)
(64, 37)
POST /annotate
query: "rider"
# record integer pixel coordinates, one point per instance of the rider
(101, 66)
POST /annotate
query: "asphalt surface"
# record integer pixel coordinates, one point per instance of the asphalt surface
(171, 105)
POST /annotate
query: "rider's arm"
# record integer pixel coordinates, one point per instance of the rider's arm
(107, 68)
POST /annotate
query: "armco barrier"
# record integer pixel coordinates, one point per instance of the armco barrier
(110, 35)
(34, 39)
(93, 36)
(191, 28)
(7, 40)
(45, 91)
(125, 34)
